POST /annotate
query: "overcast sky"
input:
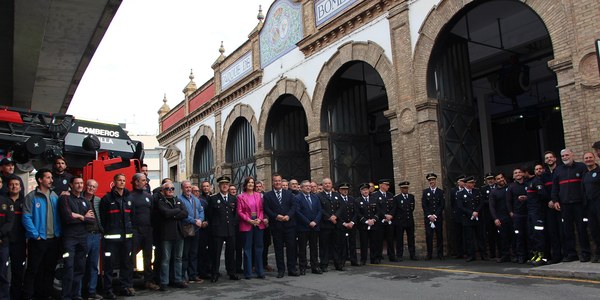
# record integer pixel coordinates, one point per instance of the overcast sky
(148, 51)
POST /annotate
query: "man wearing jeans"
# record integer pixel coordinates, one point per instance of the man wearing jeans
(190, 244)
(172, 211)
(93, 240)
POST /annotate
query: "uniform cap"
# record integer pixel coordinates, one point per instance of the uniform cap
(223, 179)
(489, 175)
(364, 186)
(344, 185)
(470, 179)
(430, 176)
(384, 181)
(404, 184)
(461, 177)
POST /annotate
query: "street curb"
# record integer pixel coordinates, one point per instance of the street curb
(575, 270)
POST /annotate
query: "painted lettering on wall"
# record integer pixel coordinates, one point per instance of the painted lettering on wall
(326, 9)
(236, 71)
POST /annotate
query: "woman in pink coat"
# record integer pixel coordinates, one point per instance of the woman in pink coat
(252, 223)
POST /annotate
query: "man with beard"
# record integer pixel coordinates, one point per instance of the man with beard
(7, 218)
(516, 198)
(591, 189)
(537, 199)
(17, 248)
(7, 170)
(432, 202)
(502, 220)
(567, 196)
(60, 177)
(555, 233)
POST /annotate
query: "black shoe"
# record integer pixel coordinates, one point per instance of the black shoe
(340, 268)
(280, 275)
(584, 258)
(441, 257)
(163, 287)
(302, 272)
(110, 295)
(596, 259)
(393, 259)
(233, 277)
(180, 285)
(324, 269)
(363, 262)
(570, 258)
(483, 257)
(503, 259)
(293, 273)
(260, 276)
(400, 259)
(470, 259)
(354, 264)
(521, 260)
(316, 271)
(214, 278)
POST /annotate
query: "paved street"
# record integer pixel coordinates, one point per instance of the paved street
(449, 279)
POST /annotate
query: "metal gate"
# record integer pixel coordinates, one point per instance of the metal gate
(241, 146)
(204, 161)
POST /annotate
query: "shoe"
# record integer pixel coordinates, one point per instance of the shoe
(197, 279)
(302, 272)
(503, 259)
(441, 257)
(521, 260)
(484, 257)
(214, 278)
(247, 277)
(163, 288)
(363, 262)
(110, 295)
(354, 264)
(400, 259)
(540, 262)
(470, 259)
(533, 258)
(596, 259)
(324, 269)
(316, 271)
(233, 277)
(260, 276)
(269, 268)
(340, 268)
(280, 275)
(584, 258)
(570, 258)
(393, 259)
(293, 273)
(181, 285)
(94, 297)
(152, 286)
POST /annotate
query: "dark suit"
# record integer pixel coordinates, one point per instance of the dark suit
(283, 232)
(433, 204)
(489, 228)
(455, 233)
(387, 207)
(365, 210)
(328, 238)
(347, 237)
(223, 223)
(467, 204)
(308, 212)
(405, 222)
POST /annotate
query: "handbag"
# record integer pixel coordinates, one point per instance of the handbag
(189, 230)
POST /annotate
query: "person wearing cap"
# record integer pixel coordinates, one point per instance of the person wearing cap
(516, 199)
(368, 215)
(280, 206)
(455, 233)
(385, 200)
(308, 217)
(60, 176)
(502, 221)
(222, 218)
(7, 170)
(7, 219)
(486, 220)
(18, 242)
(432, 201)
(404, 221)
(470, 204)
(328, 236)
(346, 226)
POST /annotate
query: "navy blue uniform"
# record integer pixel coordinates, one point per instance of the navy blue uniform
(519, 210)
(455, 234)
(404, 222)
(555, 233)
(347, 237)
(433, 203)
(328, 236)
(591, 188)
(499, 211)
(469, 202)
(370, 236)
(537, 199)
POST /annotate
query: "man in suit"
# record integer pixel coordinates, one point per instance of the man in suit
(346, 229)
(470, 204)
(385, 201)
(308, 217)
(404, 220)
(368, 216)
(455, 233)
(221, 215)
(280, 206)
(432, 202)
(330, 210)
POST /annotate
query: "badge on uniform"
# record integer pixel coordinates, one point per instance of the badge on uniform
(38, 205)
(218, 201)
(4, 207)
(428, 194)
(361, 203)
(379, 198)
(83, 202)
(401, 201)
(12, 208)
(147, 200)
(576, 174)
(465, 196)
(129, 203)
(539, 187)
(64, 181)
(487, 191)
(594, 174)
(335, 197)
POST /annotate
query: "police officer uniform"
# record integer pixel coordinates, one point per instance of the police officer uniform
(469, 201)
(7, 217)
(221, 215)
(433, 202)
(388, 207)
(328, 234)
(404, 221)
(455, 234)
(370, 235)
(489, 230)
(347, 237)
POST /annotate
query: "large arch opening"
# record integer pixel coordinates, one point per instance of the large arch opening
(204, 162)
(239, 153)
(499, 105)
(284, 137)
(360, 143)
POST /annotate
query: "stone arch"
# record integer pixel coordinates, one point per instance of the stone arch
(553, 18)
(368, 52)
(202, 131)
(294, 87)
(240, 110)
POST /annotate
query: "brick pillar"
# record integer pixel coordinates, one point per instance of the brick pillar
(263, 167)
(318, 149)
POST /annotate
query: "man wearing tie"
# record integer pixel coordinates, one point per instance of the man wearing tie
(346, 229)
(385, 200)
(280, 206)
(470, 204)
(308, 217)
(432, 202)
(368, 216)
(330, 210)
(221, 215)
(404, 220)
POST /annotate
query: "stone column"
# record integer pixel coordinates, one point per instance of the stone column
(263, 167)
(318, 151)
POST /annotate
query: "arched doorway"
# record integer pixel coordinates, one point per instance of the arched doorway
(284, 136)
(499, 106)
(352, 114)
(204, 163)
(241, 146)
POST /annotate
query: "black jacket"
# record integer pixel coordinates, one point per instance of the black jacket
(329, 206)
(467, 204)
(566, 187)
(7, 218)
(171, 211)
(142, 208)
(433, 203)
(287, 207)
(368, 209)
(591, 186)
(515, 190)
(74, 227)
(115, 214)
(403, 215)
(222, 216)
(347, 212)
(498, 207)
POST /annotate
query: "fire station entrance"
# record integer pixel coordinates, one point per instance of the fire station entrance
(284, 136)
(498, 102)
(360, 145)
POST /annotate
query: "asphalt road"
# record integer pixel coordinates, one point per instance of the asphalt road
(448, 279)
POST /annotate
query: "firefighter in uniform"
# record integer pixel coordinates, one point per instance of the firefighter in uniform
(537, 197)
(115, 216)
(433, 202)
(516, 197)
(487, 222)
(567, 195)
(7, 217)
(346, 222)
(591, 189)
(501, 218)
(221, 214)
(404, 221)
(388, 208)
(555, 233)
(455, 234)
(330, 210)
(18, 242)
(470, 205)
(368, 215)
